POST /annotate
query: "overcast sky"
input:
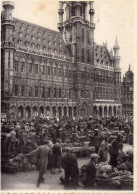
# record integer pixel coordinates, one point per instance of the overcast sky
(112, 18)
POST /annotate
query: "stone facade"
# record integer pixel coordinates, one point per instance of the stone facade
(127, 93)
(58, 73)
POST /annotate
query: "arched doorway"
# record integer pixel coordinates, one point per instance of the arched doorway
(65, 110)
(54, 111)
(114, 110)
(28, 112)
(84, 110)
(20, 112)
(100, 111)
(48, 111)
(70, 111)
(59, 111)
(35, 111)
(75, 111)
(105, 111)
(41, 110)
(95, 111)
(110, 111)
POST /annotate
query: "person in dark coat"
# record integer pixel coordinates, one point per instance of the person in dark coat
(57, 151)
(114, 151)
(70, 166)
(42, 159)
(53, 135)
(89, 178)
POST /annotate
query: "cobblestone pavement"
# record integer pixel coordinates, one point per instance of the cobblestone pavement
(27, 180)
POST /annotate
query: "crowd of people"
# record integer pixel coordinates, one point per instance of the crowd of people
(41, 140)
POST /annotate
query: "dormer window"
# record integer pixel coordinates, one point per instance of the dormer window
(26, 43)
(27, 30)
(45, 34)
(32, 45)
(44, 48)
(33, 38)
(38, 46)
(39, 32)
(33, 31)
(20, 42)
(49, 42)
(20, 34)
(102, 62)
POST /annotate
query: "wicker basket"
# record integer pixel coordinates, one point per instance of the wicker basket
(102, 182)
(126, 184)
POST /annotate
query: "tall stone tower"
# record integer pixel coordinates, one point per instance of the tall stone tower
(77, 31)
(116, 61)
(78, 35)
(7, 51)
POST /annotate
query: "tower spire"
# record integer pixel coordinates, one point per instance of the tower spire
(129, 68)
(116, 54)
(116, 42)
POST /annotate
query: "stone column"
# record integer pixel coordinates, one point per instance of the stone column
(86, 11)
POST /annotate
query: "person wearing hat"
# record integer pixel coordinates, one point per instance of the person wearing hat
(42, 159)
(89, 178)
(17, 127)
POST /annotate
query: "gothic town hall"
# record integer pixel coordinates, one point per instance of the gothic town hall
(58, 73)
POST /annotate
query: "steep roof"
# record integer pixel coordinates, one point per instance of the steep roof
(31, 35)
(101, 55)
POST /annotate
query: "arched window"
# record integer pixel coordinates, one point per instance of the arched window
(88, 38)
(80, 10)
(88, 55)
(73, 10)
(82, 35)
(82, 54)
